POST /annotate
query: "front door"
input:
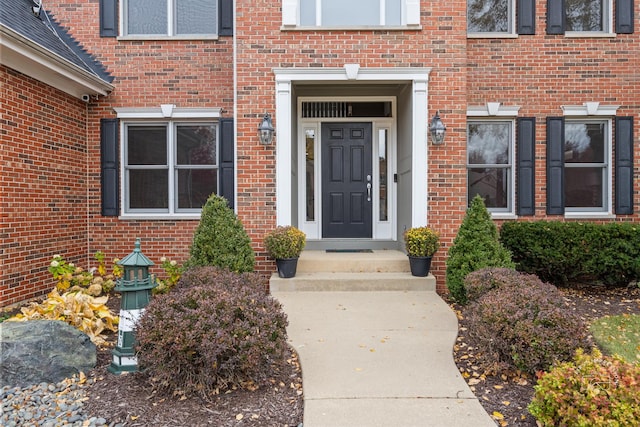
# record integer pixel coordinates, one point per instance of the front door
(346, 180)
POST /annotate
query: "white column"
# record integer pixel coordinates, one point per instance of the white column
(419, 154)
(284, 143)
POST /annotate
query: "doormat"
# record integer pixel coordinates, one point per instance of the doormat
(368, 251)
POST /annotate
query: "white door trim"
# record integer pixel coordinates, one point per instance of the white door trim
(284, 78)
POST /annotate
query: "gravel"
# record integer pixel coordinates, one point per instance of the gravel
(48, 405)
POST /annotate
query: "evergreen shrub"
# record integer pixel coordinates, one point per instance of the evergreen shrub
(220, 239)
(216, 330)
(475, 246)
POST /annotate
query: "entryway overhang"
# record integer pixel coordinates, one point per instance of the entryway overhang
(285, 78)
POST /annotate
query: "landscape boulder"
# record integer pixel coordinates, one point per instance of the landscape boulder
(37, 351)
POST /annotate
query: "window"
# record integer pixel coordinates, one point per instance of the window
(169, 167)
(586, 165)
(490, 163)
(489, 16)
(170, 17)
(587, 15)
(353, 13)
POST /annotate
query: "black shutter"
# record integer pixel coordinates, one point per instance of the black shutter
(624, 16)
(555, 165)
(226, 168)
(526, 13)
(624, 165)
(225, 22)
(526, 172)
(555, 17)
(108, 18)
(109, 167)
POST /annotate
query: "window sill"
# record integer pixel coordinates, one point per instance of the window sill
(492, 36)
(157, 37)
(503, 215)
(354, 28)
(159, 217)
(589, 215)
(589, 34)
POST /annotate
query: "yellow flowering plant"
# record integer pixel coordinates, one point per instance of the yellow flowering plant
(421, 241)
(285, 242)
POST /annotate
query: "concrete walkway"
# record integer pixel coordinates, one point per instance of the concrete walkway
(379, 358)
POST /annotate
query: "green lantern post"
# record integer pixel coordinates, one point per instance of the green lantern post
(135, 286)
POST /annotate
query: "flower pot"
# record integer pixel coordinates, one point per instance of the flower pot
(287, 267)
(420, 265)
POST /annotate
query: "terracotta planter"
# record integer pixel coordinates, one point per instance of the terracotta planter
(420, 265)
(287, 267)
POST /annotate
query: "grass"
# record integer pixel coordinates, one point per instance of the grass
(618, 335)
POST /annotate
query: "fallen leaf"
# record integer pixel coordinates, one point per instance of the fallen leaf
(239, 417)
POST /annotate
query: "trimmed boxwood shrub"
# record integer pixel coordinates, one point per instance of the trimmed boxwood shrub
(475, 246)
(591, 391)
(569, 252)
(524, 324)
(220, 239)
(215, 330)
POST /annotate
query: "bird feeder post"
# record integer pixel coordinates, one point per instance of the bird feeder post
(135, 285)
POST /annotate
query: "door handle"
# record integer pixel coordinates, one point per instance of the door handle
(368, 192)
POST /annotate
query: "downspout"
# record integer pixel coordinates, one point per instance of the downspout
(235, 110)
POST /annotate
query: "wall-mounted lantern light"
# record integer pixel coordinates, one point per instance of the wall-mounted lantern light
(437, 130)
(266, 131)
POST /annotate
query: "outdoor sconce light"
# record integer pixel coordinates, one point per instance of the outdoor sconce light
(266, 131)
(437, 130)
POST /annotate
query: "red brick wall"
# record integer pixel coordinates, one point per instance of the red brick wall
(43, 176)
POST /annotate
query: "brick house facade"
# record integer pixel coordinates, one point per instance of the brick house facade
(539, 100)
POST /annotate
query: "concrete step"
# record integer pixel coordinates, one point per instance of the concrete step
(377, 261)
(352, 281)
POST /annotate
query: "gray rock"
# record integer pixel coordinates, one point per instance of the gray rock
(37, 351)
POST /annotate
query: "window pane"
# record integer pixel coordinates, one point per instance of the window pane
(584, 187)
(382, 166)
(146, 145)
(195, 186)
(310, 142)
(584, 15)
(584, 142)
(393, 12)
(196, 145)
(488, 16)
(492, 184)
(148, 189)
(147, 17)
(489, 143)
(196, 17)
(308, 12)
(350, 13)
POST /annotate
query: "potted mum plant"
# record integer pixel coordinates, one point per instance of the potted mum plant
(421, 243)
(285, 244)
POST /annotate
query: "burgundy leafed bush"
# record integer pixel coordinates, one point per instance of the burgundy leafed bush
(523, 322)
(215, 330)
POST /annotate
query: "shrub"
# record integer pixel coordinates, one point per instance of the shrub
(220, 239)
(285, 242)
(69, 277)
(172, 273)
(476, 246)
(525, 324)
(421, 241)
(592, 391)
(216, 330)
(482, 281)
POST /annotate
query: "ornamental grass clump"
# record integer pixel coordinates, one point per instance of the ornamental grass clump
(591, 391)
(421, 241)
(215, 331)
(285, 242)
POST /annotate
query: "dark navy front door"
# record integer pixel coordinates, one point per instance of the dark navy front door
(346, 180)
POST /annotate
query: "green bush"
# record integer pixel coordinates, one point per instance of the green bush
(569, 252)
(592, 391)
(220, 239)
(524, 323)
(475, 246)
(214, 331)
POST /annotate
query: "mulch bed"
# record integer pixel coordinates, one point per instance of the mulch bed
(505, 395)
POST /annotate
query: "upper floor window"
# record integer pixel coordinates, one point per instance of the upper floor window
(352, 13)
(590, 18)
(169, 167)
(490, 16)
(170, 17)
(587, 15)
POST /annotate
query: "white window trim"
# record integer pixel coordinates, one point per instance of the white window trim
(493, 109)
(410, 18)
(511, 34)
(608, 31)
(166, 114)
(170, 36)
(590, 108)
